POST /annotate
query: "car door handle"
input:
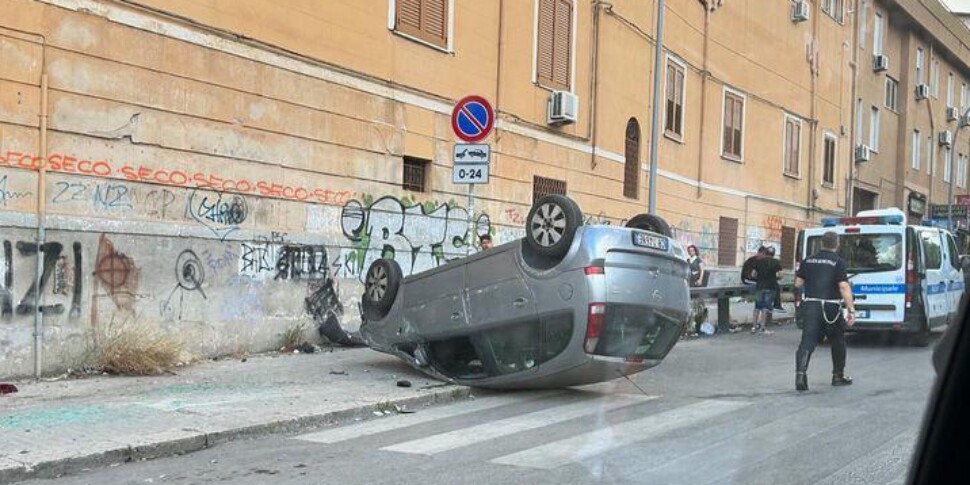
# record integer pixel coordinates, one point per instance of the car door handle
(519, 302)
(456, 315)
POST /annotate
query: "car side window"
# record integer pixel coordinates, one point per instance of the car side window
(932, 250)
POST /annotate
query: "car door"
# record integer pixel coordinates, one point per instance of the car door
(435, 300)
(935, 286)
(502, 316)
(954, 277)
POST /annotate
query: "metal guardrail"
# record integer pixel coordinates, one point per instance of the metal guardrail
(723, 294)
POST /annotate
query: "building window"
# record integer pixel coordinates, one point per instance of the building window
(863, 32)
(787, 256)
(919, 66)
(793, 139)
(727, 241)
(834, 9)
(949, 91)
(935, 79)
(962, 171)
(733, 136)
(877, 34)
(542, 187)
(874, 129)
(892, 93)
(828, 165)
(947, 163)
(426, 20)
(415, 174)
(858, 121)
(963, 97)
(674, 119)
(917, 152)
(554, 43)
(930, 158)
(631, 171)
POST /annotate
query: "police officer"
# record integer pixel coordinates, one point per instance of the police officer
(826, 288)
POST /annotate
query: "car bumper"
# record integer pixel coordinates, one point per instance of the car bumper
(869, 326)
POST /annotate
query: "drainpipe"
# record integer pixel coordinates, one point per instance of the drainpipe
(704, 75)
(929, 109)
(41, 228)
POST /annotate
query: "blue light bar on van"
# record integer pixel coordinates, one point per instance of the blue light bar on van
(858, 221)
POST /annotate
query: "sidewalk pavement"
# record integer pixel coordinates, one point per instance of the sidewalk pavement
(50, 428)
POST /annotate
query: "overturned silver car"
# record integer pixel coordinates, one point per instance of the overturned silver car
(569, 304)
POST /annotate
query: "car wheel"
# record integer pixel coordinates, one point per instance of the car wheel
(650, 222)
(380, 287)
(551, 225)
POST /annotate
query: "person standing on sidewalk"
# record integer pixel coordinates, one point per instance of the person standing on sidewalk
(826, 288)
(696, 266)
(767, 270)
(771, 254)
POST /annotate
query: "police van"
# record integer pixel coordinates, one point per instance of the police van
(905, 278)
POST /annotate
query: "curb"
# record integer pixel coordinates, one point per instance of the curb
(12, 471)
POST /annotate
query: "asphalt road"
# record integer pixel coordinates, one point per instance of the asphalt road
(718, 410)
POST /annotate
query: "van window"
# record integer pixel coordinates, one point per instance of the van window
(954, 257)
(932, 251)
(866, 253)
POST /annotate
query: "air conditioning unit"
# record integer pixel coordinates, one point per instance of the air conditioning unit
(965, 120)
(563, 106)
(946, 138)
(922, 91)
(799, 12)
(952, 113)
(880, 63)
(862, 153)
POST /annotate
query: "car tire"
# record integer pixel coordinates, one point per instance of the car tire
(381, 283)
(551, 225)
(922, 336)
(650, 222)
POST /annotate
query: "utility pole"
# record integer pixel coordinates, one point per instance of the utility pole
(654, 125)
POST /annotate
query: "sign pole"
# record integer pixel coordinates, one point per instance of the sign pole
(471, 219)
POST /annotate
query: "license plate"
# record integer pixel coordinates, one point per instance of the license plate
(862, 314)
(659, 243)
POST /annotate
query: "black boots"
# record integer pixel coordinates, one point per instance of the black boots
(841, 379)
(801, 381)
(801, 369)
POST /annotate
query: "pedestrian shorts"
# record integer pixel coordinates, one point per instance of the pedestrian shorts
(764, 300)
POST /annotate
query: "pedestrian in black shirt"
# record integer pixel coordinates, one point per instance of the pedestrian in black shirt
(696, 266)
(771, 254)
(766, 272)
(826, 288)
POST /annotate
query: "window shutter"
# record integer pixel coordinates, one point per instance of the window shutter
(561, 43)
(788, 247)
(727, 241)
(409, 16)
(631, 173)
(425, 19)
(544, 51)
(434, 20)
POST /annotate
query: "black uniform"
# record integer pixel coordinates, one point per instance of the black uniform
(822, 273)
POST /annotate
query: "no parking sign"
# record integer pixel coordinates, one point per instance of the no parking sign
(473, 118)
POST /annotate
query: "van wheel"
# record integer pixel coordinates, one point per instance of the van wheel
(380, 287)
(922, 336)
(650, 222)
(551, 225)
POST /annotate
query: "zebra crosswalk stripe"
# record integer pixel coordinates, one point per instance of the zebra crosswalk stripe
(476, 434)
(562, 452)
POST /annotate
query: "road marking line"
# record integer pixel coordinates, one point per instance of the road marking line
(722, 461)
(487, 431)
(569, 450)
(884, 464)
(399, 421)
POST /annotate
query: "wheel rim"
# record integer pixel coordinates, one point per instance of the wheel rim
(548, 224)
(376, 285)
